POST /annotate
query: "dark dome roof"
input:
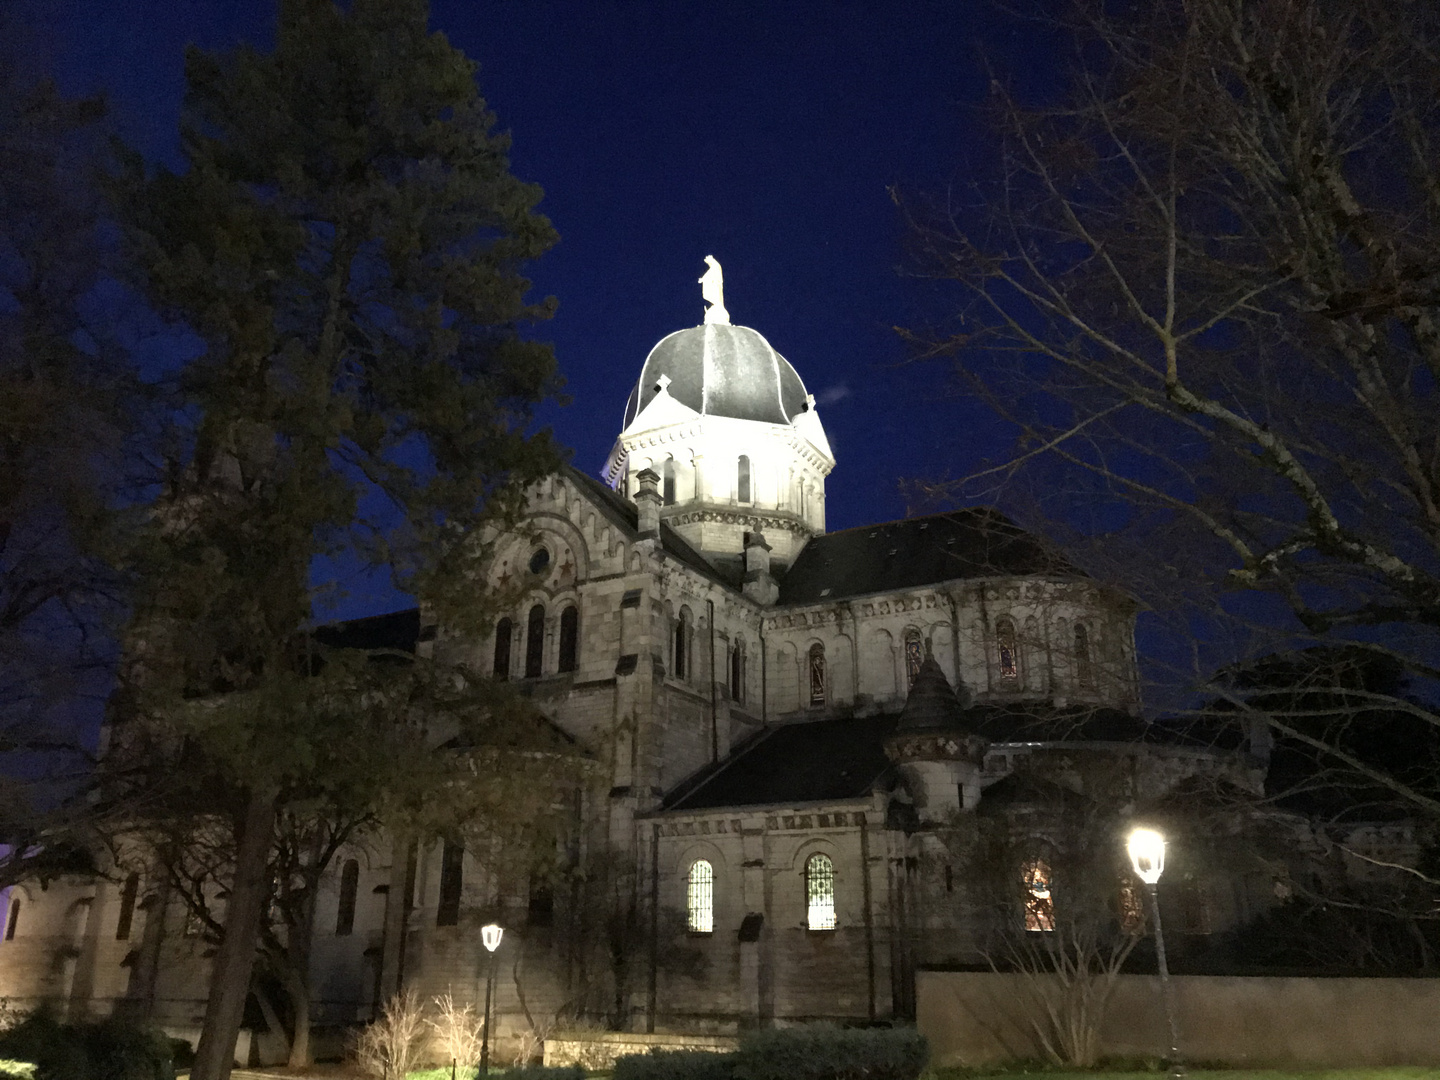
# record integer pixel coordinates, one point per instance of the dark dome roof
(721, 370)
(932, 704)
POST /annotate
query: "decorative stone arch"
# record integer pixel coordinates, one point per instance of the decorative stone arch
(570, 536)
(879, 664)
(816, 677)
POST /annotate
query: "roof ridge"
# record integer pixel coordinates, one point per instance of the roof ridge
(923, 517)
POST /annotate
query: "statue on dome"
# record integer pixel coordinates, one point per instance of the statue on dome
(712, 289)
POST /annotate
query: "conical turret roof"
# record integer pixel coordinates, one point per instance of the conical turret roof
(933, 704)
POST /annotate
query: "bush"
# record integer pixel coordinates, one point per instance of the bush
(541, 1072)
(676, 1065)
(107, 1050)
(825, 1052)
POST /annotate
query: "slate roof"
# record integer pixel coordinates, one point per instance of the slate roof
(398, 630)
(622, 512)
(806, 762)
(969, 543)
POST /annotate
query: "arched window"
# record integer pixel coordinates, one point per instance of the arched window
(452, 868)
(667, 478)
(742, 480)
(14, 918)
(819, 893)
(1039, 902)
(737, 673)
(700, 898)
(914, 655)
(535, 642)
(1084, 673)
(1007, 649)
(817, 674)
(127, 907)
(349, 889)
(569, 638)
(681, 650)
(502, 649)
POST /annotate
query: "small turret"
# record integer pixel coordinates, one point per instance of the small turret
(935, 750)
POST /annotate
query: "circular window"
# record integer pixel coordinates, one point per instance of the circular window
(540, 561)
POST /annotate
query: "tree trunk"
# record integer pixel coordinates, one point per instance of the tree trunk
(297, 981)
(230, 978)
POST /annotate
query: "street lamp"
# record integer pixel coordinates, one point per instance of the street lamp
(1147, 855)
(490, 936)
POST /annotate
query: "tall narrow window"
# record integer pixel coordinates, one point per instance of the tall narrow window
(667, 477)
(502, 649)
(1084, 674)
(817, 674)
(569, 638)
(349, 889)
(700, 898)
(742, 480)
(914, 655)
(535, 642)
(13, 920)
(1007, 650)
(127, 907)
(1039, 903)
(819, 893)
(682, 645)
(452, 862)
(737, 673)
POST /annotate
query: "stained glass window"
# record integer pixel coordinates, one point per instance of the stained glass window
(667, 474)
(737, 673)
(1006, 647)
(817, 674)
(682, 644)
(742, 481)
(1039, 903)
(914, 655)
(569, 638)
(700, 898)
(452, 869)
(819, 893)
(1083, 672)
(535, 642)
(502, 649)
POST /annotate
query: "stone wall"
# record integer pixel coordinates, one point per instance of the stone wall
(598, 1049)
(974, 1018)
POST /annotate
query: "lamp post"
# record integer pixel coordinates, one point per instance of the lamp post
(490, 936)
(1147, 855)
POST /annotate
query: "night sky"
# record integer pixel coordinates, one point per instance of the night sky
(767, 135)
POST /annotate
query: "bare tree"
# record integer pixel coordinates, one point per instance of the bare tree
(388, 1047)
(1203, 292)
(459, 1031)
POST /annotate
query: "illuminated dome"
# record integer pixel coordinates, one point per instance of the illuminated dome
(721, 370)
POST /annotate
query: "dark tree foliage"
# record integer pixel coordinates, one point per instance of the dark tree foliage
(346, 239)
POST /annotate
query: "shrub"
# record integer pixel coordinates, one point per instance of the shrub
(108, 1050)
(825, 1052)
(387, 1046)
(675, 1065)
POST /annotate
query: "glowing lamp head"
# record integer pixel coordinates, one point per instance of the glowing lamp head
(491, 936)
(1147, 854)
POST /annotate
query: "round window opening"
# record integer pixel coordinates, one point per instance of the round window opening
(540, 561)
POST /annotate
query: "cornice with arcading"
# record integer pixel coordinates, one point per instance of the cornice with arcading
(761, 518)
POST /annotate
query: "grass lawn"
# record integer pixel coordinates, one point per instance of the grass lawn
(1399, 1072)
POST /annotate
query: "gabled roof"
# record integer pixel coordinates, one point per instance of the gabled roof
(793, 763)
(970, 543)
(621, 512)
(398, 630)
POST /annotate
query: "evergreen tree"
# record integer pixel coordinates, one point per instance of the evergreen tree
(347, 240)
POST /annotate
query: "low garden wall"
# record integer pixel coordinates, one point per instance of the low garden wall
(978, 1018)
(599, 1049)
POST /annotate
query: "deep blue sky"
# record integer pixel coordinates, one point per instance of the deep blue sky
(766, 134)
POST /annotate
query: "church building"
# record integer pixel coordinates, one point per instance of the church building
(789, 733)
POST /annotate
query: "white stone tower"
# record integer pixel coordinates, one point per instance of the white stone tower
(727, 424)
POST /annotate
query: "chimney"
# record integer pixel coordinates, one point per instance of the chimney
(759, 585)
(647, 501)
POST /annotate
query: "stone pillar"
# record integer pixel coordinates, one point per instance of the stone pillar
(759, 585)
(647, 501)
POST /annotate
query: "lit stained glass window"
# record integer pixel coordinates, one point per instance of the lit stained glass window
(817, 674)
(819, 893)
(1006, 647)
(700, 898)
(1039, 902)
(914, 655)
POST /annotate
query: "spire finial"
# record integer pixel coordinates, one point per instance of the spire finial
(712, 289)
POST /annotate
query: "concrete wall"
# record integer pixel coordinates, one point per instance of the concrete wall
(977, 1018)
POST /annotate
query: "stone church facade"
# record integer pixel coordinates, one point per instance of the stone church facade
(781, 725)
